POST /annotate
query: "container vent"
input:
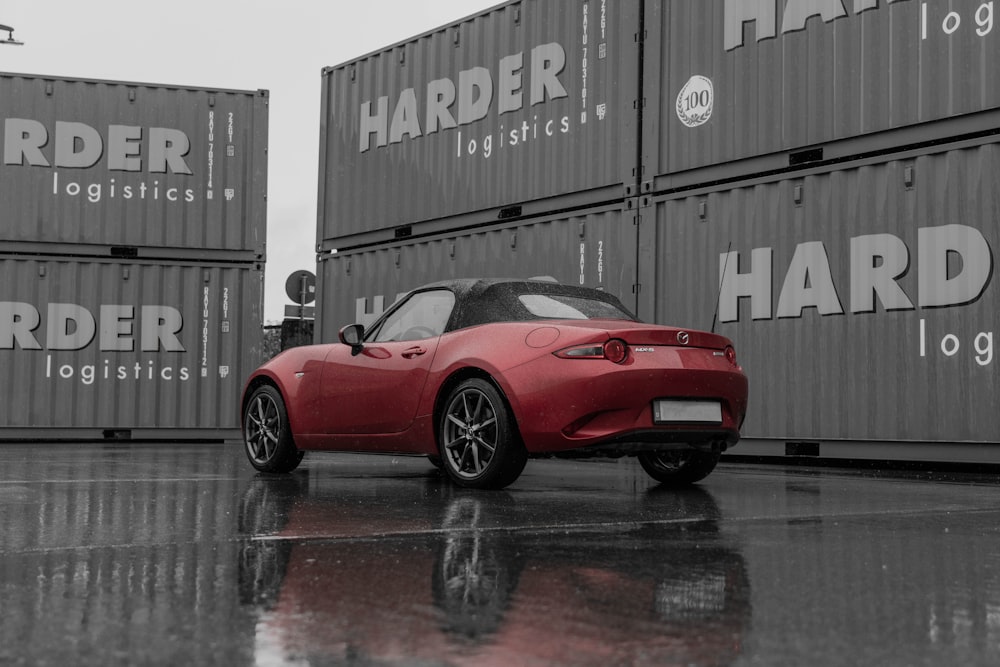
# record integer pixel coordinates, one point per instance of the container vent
(510, 212)
(805, 157)
(124, 251)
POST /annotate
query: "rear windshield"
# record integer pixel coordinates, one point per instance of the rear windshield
(561, 307)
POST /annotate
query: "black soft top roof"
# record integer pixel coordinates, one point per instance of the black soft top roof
(481, 301)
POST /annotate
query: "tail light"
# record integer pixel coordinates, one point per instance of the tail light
(731, 355)
(614, 350)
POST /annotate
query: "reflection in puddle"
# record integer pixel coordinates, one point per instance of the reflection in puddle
(468, 588)
(146, 555)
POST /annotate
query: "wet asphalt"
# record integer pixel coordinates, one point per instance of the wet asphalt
(181, 554)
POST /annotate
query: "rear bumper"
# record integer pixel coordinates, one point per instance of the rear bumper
(563, 405)
(629, 444)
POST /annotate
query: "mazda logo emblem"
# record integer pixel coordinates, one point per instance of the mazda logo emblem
(683, 337)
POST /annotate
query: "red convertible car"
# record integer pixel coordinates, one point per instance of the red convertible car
(478, 375)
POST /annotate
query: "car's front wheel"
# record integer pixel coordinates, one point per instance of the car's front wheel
(478, 439)
(268, 438)
(678, 467)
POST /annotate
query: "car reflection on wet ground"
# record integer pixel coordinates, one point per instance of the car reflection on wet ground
(432, 573)
(133, 554)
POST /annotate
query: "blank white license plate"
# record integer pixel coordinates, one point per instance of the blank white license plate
(669, 411)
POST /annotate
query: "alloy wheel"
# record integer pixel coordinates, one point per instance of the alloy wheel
(670, 462)
(470, 433)
(678, 468)
(262, 428)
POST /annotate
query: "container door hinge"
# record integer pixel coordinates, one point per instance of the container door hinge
(636, 288)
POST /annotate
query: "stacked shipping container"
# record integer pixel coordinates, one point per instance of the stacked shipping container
(835, 212)
(526, 105)
(131, 258)
(816, 180)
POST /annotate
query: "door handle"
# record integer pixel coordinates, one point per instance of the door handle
(413, 352)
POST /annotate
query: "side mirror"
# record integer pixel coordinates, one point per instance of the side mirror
(353, 335)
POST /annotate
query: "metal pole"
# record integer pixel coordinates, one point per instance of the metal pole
(302, 297)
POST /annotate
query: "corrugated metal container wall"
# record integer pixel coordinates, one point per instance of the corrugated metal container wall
(727, 80)
(111, 345)
(130, 164)
(861, 300)
(595, 248)
(530, 100)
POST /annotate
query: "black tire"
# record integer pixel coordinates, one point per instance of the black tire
(478, 439)
(266, 433)
(678, 467)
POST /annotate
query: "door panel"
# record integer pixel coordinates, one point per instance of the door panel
(376, 391)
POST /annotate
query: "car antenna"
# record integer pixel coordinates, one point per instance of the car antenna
(722, 281)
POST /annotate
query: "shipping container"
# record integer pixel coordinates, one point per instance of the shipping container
(526, 102)
(817, 181)
(126, 349)
(113, 168)
(861, 296)
(727, 81)
(510, 112)
(594, 248)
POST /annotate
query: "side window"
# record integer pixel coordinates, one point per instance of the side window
(423, 315)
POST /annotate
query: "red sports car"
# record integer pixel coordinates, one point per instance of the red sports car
(478, 375)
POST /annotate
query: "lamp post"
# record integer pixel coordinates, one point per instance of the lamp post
(10, 41)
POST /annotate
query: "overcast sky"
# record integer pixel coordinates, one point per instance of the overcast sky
(280, 47)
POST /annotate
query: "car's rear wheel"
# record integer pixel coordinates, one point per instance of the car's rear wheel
(678, 467)
(268, 438)
(477, 437)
